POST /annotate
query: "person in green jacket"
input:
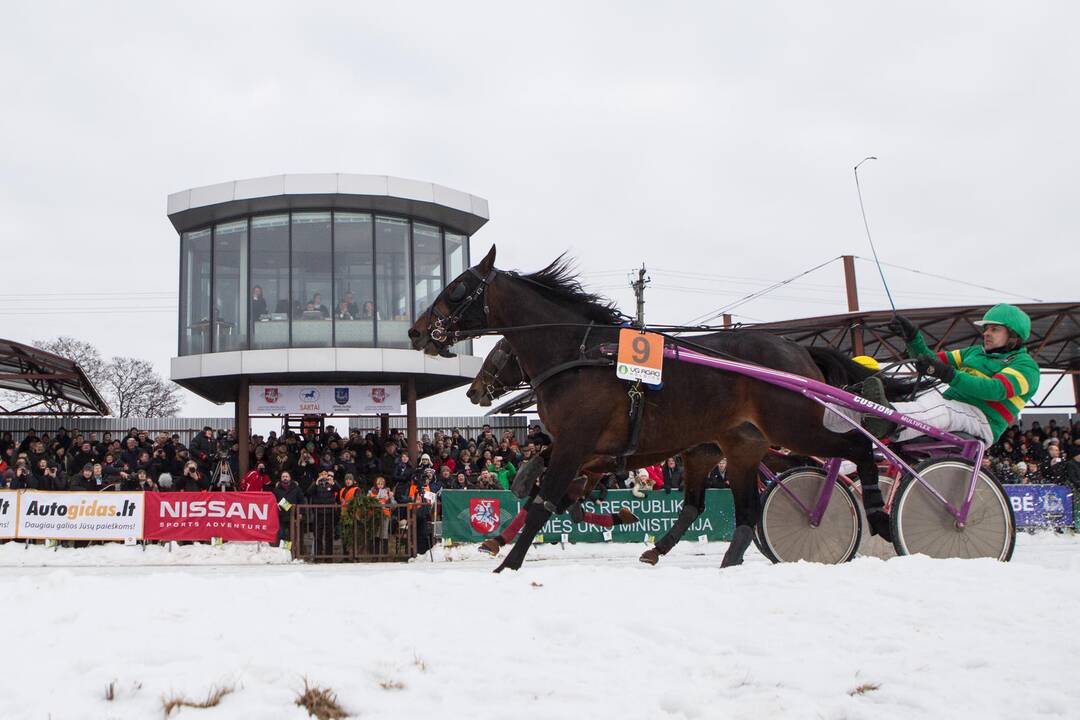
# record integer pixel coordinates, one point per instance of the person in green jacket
(988, 384)
(503, 471)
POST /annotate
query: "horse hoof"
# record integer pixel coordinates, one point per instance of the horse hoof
(490, 547)
(650, 557)
(627, 517)
(507, 564)
(740, 541)
(880, 524)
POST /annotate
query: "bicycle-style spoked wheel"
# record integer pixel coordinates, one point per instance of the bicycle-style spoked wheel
(922, 524)
(786, 532)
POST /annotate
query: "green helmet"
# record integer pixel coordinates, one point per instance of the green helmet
(1008, 316)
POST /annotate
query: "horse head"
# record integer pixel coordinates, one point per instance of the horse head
(461, 306)
(500, 373)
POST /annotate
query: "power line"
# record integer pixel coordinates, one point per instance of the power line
(701, 319)
(961, 282)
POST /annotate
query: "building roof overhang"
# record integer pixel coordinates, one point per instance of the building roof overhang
(453, 209)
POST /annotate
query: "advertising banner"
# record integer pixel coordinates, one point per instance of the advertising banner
(1041, 505)
(9, 505)
(324, 399)
(80, 515)
(246, 516)
(472, 515)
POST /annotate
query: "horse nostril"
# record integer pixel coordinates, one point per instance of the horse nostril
(414, 333)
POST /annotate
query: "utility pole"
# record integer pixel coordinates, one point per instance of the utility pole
(852, 289)
(639, 292)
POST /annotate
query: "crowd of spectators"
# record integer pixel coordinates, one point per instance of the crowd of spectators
(329, 466)
(1049, 455)
(320, 466)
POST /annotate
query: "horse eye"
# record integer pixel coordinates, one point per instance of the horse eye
(458, 292)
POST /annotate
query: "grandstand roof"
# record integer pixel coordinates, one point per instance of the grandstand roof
(1054, 342)
(29, 370)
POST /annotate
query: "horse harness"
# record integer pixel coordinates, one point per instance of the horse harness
(441, 327)
(635, 393)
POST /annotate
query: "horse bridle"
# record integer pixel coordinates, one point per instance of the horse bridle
(441, 327)
(493, 386)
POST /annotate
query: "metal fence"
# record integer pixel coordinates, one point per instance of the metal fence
(186, 427)
(469, 425)
(389, 533)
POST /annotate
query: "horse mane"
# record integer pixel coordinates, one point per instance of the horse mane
(559, 283)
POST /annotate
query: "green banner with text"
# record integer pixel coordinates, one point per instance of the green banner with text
(473, 515)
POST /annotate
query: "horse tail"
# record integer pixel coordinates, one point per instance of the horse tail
(841, 371)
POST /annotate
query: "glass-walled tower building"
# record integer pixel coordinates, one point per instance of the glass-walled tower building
(302, 279)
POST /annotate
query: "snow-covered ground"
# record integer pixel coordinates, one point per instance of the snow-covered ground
(581, 632)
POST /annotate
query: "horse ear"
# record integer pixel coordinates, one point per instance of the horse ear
(488, 262)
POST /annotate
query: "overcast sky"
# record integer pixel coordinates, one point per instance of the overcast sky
(712, 141)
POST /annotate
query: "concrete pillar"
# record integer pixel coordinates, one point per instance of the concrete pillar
(243, 425)
(410, 420)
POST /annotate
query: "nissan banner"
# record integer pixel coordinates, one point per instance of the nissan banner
(246, 516)
(324, 399)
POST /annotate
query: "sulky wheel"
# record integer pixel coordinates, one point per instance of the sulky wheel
(922, 524)
(786, 532)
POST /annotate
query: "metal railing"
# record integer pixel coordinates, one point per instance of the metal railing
(388, 533)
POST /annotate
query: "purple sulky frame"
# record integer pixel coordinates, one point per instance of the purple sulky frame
(826, 396)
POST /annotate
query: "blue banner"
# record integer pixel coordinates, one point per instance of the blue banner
(1041, 505)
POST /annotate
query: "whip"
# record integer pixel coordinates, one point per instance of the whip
(866, 225)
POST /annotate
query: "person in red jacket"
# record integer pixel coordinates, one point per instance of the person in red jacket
(256, 480)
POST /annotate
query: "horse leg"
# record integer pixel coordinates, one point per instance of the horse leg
(744, 450)
(862, 454)
(566, 458)
(696, 465)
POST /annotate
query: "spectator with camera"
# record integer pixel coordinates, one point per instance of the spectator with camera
(193, 479)
(46, 477)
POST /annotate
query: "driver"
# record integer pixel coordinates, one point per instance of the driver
(989, 384)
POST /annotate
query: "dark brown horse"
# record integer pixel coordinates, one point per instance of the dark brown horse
(547, 316)
(501, 373)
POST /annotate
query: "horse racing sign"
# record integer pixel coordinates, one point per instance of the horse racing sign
(641, 356)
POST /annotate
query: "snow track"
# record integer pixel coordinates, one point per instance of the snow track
(581, 632)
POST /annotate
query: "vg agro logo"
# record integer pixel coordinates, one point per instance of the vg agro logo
(309, 395)
(623, 369)
(341, 395)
